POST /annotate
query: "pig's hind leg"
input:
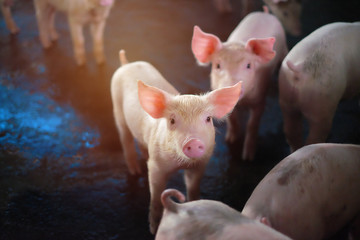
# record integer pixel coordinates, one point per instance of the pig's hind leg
(127, 143)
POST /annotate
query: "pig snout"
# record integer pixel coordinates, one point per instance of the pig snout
(194, 148)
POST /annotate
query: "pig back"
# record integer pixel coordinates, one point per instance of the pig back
(125, 93)
(261, 25)
(312, 193)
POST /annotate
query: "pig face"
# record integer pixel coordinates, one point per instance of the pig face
(232, 61)
(289, 13)
(188, 120)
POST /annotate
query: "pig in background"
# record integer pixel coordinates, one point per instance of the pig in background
(173, 131)
(252, 54)
(79, 13)
(208, 219)
(311, 194)
(287, 11)
(319, 71)
(9, 21)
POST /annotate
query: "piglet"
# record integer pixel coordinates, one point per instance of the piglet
(249, 56)
(311, 194)
(175, 131)
(9, 21)
(289, 14)
(207, 219)
(318, 72)
(79, 12)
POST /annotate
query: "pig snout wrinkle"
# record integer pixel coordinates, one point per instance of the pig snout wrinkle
(194, 148)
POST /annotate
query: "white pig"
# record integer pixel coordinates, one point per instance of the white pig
(318, 72)
(175, 130)
(79, 13)
(289, 14)
(9, 21)
(208, 220)
(311, 194)
(248, 55)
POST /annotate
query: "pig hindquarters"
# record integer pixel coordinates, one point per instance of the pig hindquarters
(79, 12)
(175, 130)
(311, 194)
(207, 219)
(317, 73)
(248, 55)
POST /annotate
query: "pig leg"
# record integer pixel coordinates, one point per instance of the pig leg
(293, 128)
(252, 128)
(9, 21)
(42, 13)
(193, 178)
(318, 130)
(127, 143)
(51, 26)
(157, 183)
(232, 127)
(97, 31)
(77, 36)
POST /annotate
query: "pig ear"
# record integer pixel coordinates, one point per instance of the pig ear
(224, 99)
(152, 100)
(262, 47)
(204, 45)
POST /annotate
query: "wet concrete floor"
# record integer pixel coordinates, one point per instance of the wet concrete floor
(62, 174)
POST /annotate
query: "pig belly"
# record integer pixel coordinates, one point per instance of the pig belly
(311, 194)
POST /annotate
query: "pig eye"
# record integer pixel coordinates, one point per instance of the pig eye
(218, 66)
(248, 66)
(172, 121)
(208, 119)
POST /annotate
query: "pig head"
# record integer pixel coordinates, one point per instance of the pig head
(207, 219)
(174, 131)
(248, 56)
(311, 194)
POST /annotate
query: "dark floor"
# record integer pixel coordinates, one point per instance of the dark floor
(62, 174)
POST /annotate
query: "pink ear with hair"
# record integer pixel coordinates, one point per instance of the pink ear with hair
(262, 47)
(225, 99)
(204, 45)
(152, 100)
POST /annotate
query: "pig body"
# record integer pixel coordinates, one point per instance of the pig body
(9, 21)
(174, 131)
(249, 56)
(317, 73)
(311, 194)
(79, 13)
(207, 219)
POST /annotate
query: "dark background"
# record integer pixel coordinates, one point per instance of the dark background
(62, 173)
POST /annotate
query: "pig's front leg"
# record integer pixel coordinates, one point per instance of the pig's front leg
(42, 14)
(232, 127)
(319, 130)
(252, 129)
(77, 39)
(157, 183)
(97, 31)
(193, 178)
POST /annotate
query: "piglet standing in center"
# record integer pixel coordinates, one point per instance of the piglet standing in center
(175, 131)
(250, 55)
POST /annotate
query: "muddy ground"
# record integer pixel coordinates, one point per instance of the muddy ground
(62, 173)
